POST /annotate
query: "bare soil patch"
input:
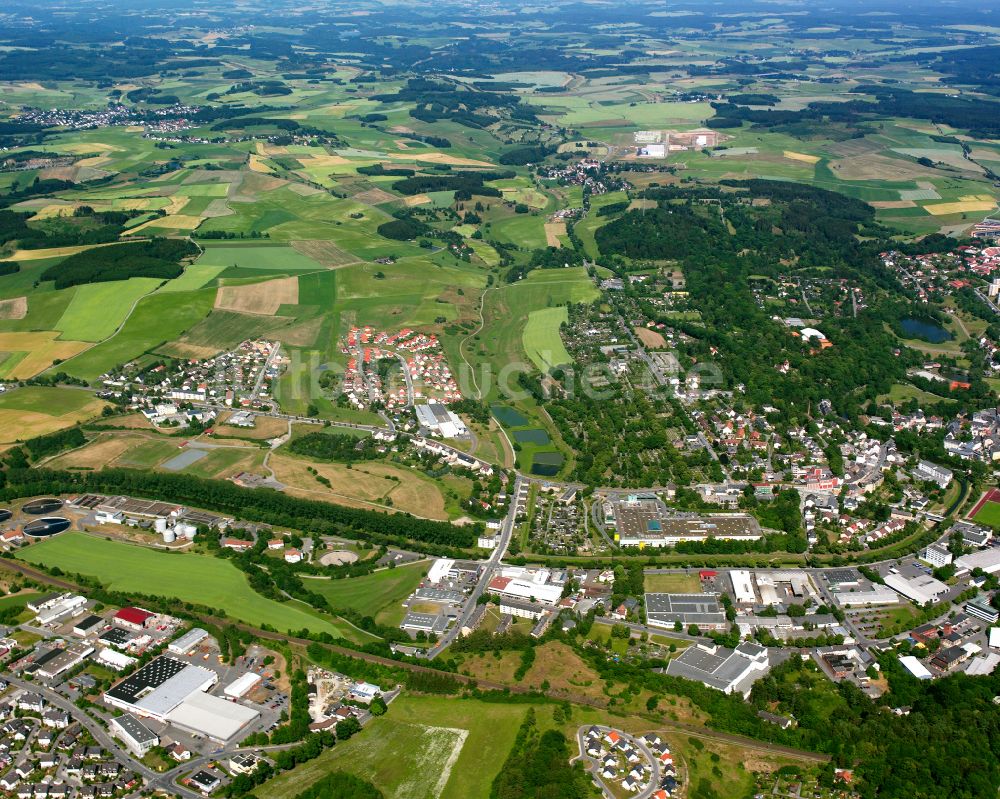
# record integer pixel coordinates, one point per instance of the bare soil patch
(262, 299)
(325, 252)
(16, 308)
(651, 338)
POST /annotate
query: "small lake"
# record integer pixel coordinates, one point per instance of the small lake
(509, 417)
(534, 435)
(925, 331)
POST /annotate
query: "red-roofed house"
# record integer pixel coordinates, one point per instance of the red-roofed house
(133, 618)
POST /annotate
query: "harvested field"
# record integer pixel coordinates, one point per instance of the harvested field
(651, 338)
(553, 230)
(176, 222)
(266, 427)
(325, 252)
(257, 164)
(375, 197)
(323, 160)
(367, 484)
(961, 206)
(16, 308)
(892, 204)
(262, 299)
(439, 158)
(28, 354)
(803, 157)
(416, 199)
(54, 252)
(101, 452)
(877, 167)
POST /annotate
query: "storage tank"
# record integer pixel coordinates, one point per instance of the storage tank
(188, 531)
(168, 535)
(160, 525)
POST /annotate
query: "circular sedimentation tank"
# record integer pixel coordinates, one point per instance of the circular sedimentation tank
(39, 506)
(49, 525)
(5, 514)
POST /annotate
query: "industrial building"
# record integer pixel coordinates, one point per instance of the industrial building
(921, 589)
(188, 641)
(726, 670)
(436, 417)
(527, 586)
(171, 691)
(62, 660)
(875, 595)
(54, 607)
(988, 560)
(133, 618)
(915, 667)
(242, 685)
(644, 521)
(704, 610)
(137, 738)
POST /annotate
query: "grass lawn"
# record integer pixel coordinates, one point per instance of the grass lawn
(989, 515)
(410, 753)
(201, 579)
(379, 595)
(542, 342)
(672, 584)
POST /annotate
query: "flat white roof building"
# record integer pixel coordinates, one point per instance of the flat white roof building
(915, 667)
(188, 641)
(921, 590)
(211, 716)
(439, 569)
(743, 586)
(242, 685)
(877, 595)
(988, 560)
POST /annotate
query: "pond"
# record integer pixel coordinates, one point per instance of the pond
(925, 331)
(508, 417)
(533, 435)
(547, 464)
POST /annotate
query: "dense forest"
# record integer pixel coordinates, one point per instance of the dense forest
(155, 258)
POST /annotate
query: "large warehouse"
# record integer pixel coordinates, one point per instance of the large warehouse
(172, 691)
(665, 610)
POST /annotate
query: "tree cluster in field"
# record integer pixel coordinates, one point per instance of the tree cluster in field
(340, 785)
(158, 258)
(538, 766)
(69, 231)
(334, 447)
(976, 115)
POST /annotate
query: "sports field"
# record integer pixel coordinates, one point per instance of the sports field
(200, 579)
(542, 342)
(379, 595)
(989, 514)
